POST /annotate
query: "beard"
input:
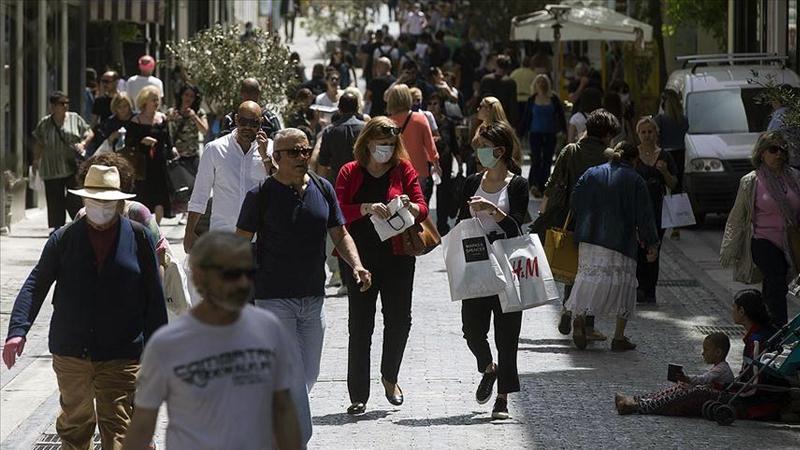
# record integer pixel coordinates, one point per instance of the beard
(233, 302)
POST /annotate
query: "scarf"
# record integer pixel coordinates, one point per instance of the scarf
(778, 185)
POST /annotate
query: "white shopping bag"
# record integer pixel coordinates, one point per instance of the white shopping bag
(176, 286)
(35, 181)
(472, 267)
(525, 265)
(400, 220)
(676, 211)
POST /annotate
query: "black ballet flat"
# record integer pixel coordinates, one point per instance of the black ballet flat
(357, 409)
(395, 400)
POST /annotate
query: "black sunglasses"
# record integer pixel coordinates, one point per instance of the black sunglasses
(774, 150)
(233, 274)
(295, 152)
(249, 123)
(390, 131)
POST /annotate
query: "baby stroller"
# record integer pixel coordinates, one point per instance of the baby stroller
(778, 359)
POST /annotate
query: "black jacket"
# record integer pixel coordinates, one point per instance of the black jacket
(524, 124)
(517, 198)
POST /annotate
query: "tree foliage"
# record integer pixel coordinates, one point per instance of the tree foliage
(492, 19)
(217, 59)
(709, 14)
(329, 18)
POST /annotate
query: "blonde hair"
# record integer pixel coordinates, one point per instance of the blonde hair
(398, 99)
(496, 111)
(648, 120)
(118, 100)
(767, 140)
(378, 128)
(148, 93)
(543, 78)
(357, 94)
(416, 94)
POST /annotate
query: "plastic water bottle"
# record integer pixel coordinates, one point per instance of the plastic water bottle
(121, 141)
(437, 180)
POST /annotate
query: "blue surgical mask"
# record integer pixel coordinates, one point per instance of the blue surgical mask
(486, 157)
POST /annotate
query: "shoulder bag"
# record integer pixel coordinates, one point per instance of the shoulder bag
(562, 253)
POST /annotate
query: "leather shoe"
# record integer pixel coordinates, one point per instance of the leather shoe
(357, 409)
(396, 400)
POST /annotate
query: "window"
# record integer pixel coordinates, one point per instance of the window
(727, 111)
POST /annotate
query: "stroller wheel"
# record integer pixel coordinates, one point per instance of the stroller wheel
(724, 414)
(707, 409)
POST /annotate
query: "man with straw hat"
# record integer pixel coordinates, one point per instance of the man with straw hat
(108, 301)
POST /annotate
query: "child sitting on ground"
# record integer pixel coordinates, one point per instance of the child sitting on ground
(692, 389)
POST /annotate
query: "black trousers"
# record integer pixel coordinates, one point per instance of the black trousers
(771, 261)
(60, 201)
(476, 314)
(393, 279)
(647, 272)
(445, 198)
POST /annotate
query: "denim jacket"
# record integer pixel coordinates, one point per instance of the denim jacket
(611, 208)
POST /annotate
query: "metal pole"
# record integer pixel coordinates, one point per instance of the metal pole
(730, 26)
(41, 63)
(19, 90)
(64, 69)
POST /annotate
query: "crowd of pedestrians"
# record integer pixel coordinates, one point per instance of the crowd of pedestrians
(444, 111)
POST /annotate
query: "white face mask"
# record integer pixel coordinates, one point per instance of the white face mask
(382, 153)
(100, 212)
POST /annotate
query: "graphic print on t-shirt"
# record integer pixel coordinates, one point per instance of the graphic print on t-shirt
(248, 366)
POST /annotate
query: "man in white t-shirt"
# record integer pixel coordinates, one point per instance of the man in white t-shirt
(223, 369)
(415, 22)
(147, 64)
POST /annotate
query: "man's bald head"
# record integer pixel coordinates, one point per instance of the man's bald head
(249, 109)
(250, 89)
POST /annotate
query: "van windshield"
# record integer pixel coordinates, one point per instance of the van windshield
(727, 111)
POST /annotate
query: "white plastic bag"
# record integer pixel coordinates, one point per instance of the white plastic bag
(676, 211)
(105, 147)
(35, 180)
(400, 220)
(176, 287)
(472, 267)
(194, 297)
(526, 268)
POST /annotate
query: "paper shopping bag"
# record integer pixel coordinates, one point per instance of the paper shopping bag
(472, 268)
(676, 211)
(400, 220)
(525, 267)
(562, 252)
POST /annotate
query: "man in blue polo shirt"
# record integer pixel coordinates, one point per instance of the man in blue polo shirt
(291, 213)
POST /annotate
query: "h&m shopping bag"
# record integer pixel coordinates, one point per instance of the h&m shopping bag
(472, 268)
(400, 220)
(562, 252)
(176, 286)
(676, 211)
(525, 267)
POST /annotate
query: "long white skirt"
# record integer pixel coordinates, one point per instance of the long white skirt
(605, 284)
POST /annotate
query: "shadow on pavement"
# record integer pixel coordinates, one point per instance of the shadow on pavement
(344, 418)
(463, 419)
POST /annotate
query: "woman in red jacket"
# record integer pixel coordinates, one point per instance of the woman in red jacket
(380, 173)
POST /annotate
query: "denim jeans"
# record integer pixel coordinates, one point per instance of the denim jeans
(304, 322)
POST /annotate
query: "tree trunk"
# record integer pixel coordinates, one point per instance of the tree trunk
(656, 20)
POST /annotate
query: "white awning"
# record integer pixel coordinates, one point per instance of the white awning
(139, 11)
(577, 22)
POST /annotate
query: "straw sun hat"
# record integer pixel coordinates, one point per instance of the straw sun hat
(102, 183)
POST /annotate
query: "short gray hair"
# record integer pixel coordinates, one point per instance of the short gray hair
(214, 243)
(290, 133)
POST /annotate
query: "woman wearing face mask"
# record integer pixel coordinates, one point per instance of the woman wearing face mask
(660, 173)
(380, 173)
(498, 197)
(758, 235)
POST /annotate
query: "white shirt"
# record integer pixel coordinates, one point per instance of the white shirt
(500, 199)
(218, 381)
(415, 23)
(137, 82)
(392, 53)
(231, 173)
(579, 121)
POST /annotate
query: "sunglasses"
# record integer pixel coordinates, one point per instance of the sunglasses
(106, 80)
(233, 274)
(249, 123)
(62, 103)
(390, 131)
(775, 150)
(295, 152)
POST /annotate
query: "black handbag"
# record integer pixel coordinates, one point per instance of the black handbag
(181, 179)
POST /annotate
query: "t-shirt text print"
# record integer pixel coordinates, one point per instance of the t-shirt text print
(249, 366)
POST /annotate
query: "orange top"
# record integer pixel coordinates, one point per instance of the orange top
(418, 141)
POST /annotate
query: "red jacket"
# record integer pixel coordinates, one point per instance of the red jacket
(402, 180)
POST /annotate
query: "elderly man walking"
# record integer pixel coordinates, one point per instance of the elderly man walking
(224, 369)
(230, 166)
(291, 213)
(107, 302)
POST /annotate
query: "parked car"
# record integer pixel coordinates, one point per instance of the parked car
(725, 119)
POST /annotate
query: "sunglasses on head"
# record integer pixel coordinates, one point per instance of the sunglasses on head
(250, 123)
(297, 151)
(233, 274)
(390, 131)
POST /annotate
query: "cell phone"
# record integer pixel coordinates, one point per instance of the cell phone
(672, 372)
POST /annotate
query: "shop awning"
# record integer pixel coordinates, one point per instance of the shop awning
(138, 11)
(577, 22)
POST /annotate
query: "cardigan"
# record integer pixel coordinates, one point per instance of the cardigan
(402, 180)
(102, 315)
(517, 199)
(558, 111)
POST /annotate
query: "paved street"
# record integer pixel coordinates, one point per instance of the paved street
(567, 394)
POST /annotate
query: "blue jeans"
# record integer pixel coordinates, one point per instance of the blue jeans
(304, 322)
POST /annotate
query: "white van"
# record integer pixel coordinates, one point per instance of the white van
(724, 122)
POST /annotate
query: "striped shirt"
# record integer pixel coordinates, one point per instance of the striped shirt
(57, 153)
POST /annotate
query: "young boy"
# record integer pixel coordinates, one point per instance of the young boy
(677, 398)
